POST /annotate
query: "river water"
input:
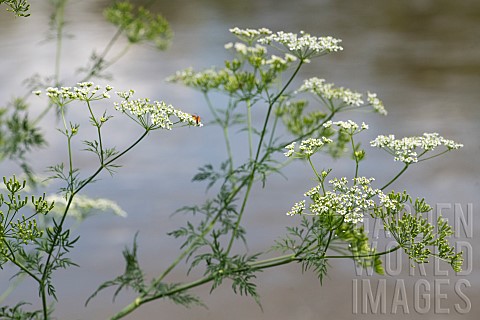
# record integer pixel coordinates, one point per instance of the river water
(421, 57)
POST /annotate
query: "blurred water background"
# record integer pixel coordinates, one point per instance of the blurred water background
(422, 57)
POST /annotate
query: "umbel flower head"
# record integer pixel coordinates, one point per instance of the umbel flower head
(411, 149)
(307, 147)
(303, 45)
(154, 115)
(328, 92)
(150, 115)
(348, 201)
(84, 91)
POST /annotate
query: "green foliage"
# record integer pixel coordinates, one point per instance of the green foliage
(133, 278)
(299, 122)
(415, 234)
(139, 24)
(18, 134)
(19, 232)
(17, 313)
(19, 7)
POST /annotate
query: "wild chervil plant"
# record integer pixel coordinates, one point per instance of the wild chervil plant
(326, 222)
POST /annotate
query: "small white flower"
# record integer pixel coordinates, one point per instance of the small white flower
(328, 124)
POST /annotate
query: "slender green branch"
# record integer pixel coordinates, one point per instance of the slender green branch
(224, 126)
(184, 253)
(249, 128)
(102, 56)
(99, 134)
(396, 177)
(257, 155)
(319, 177)
(355, 158)
(64, 215)
(434, 156)
(25, 269)
(118, 56)
(259, 265)
(59, 19)
(272, 134)
(136, 303)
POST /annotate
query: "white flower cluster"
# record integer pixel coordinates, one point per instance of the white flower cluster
(349, 201)
(349, 126)
(404, 149)
(257, 55)
(303, 45)
(376, 103)
(389, 204)
(85, 91)
(281, 61)
(297, 208)
(307, 147)
(244, 49)
(83, 206)
(159, 113)
(249, 35)
(328, 91)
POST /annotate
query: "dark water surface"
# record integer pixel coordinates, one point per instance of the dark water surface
(421, 57)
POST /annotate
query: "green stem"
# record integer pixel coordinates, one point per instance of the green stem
(98, 126)
(24, 269)
(224, 126)
(396, 177)
(249, 128)
(434, 156)
(60, 225)
(319, 177)
(355, 158)
(259, 265)
(257, 155)
(135, 304)
(60, 22)
(183, 254)
(102, 56)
